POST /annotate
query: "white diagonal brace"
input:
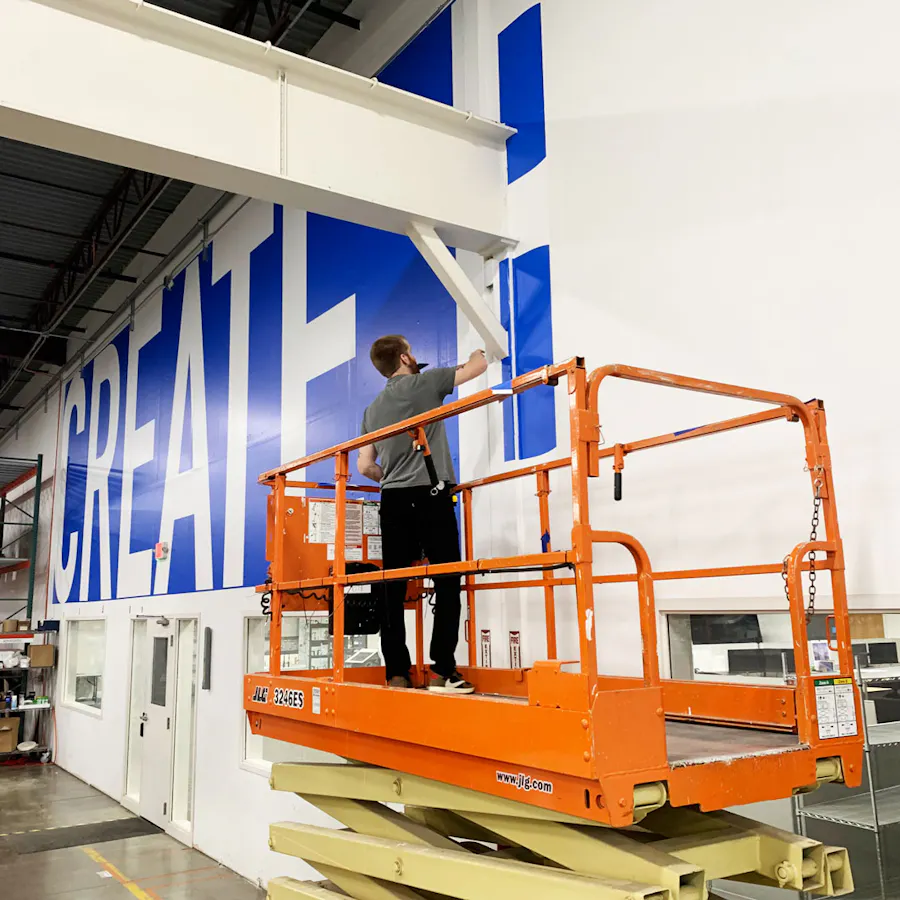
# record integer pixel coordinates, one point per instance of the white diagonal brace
(443, 263)
(136, 85)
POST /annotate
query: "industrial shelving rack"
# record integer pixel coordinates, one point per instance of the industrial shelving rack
(19, 535)
(875, 809)
(19, 525)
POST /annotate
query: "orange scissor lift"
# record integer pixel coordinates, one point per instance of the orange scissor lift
(575, 783)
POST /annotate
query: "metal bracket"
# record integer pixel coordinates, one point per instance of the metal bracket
(468, 298)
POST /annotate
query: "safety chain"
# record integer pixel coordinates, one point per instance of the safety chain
(813, 537)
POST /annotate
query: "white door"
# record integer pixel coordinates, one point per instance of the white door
(140, 665)
(157, 721)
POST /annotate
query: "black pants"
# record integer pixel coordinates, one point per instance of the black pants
(415, 525)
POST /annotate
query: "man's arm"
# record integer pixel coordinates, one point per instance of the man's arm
(477, 365)
(367, 465)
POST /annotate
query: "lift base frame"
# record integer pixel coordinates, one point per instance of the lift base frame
(462, 844)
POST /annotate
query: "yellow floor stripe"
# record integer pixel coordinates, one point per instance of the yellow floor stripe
(34, 830)
(126, 882)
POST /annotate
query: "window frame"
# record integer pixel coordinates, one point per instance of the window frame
(68, 691)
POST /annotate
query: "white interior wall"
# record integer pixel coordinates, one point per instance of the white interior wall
(226, 792)
(722, 188)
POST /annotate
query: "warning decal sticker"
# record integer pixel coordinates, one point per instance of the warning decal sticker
(835, 707)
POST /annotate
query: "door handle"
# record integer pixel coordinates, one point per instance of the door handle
(144, 717)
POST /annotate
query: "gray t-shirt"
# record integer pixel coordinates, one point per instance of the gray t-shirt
(403, 397)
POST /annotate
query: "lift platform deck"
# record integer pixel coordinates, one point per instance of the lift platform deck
(559, 740)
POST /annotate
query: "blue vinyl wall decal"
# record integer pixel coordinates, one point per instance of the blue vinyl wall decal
(76, 476)
(263, 393)
(154, 402)
(534, 348)
(396, 292)
(521, 65)
(529, 422)
(509, 425)
(425, 65)
(529, 419)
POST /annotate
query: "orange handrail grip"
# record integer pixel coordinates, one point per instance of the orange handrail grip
(666, 379)
(327, 486)
(634, 446)
(672, 575)
(545, 375)
(536, 561)
(768, 415)
(795, 593)
(516, 473)
(646, 600)
(619, 578)
(806, 698)
(814, 458)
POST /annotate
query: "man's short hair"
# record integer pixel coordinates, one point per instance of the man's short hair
(386, 351)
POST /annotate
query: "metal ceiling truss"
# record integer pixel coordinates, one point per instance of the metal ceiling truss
(132, 197)
(109, 230)
(282, 16)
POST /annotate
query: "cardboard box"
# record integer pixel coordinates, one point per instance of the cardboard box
(42, 656)
(9, 734)
(24, 626)
(9, 626)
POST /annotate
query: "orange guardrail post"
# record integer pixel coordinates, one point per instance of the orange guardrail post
(582, 545)
(469, 581)
(341, 477)
(543, 494)
(278, 490)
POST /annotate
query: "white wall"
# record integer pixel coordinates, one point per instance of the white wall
(233, 803)
(723, 188)
(719, 198)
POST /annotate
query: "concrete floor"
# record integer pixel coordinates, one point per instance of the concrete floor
(152, 867)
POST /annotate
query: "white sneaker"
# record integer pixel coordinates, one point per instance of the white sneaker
(454, 684)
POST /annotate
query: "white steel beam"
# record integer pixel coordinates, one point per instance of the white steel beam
(139, 86)
(460, 287)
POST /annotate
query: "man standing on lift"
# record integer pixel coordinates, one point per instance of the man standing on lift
(415, 521)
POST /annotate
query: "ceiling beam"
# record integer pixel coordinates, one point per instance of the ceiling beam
(16, 346)
(237, 13)
(332, 15)
(89, 260)
(279, 127)
(54, 232)
(62, 266)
